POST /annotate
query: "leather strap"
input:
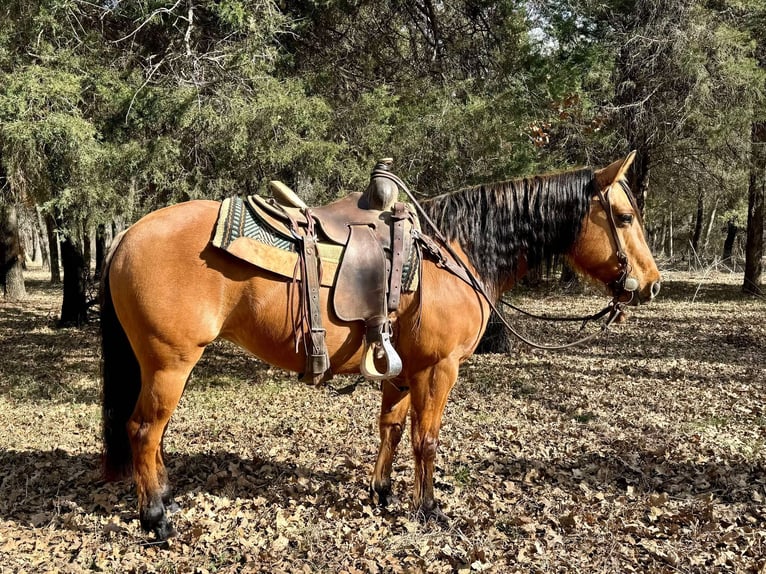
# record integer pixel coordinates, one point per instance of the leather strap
(317, 357)
(399, 214)
(618, 286)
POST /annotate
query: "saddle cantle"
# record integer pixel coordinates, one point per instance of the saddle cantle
(368, 257)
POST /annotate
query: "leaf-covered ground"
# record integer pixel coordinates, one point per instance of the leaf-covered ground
(641, 452)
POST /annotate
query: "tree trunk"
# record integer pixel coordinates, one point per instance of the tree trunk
(44, 245)
(755, 208)
(695, 240)
(495, 339)
(670, 235)
(710, 224)
(53, 248)
(568, 278)
(86, 249)
(534, 276)
(74, 306)
(11, 255)
(731, 235)
(100, 248)
(34, 239)
(639, 180)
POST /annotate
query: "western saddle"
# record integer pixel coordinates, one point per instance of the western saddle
(377, 236)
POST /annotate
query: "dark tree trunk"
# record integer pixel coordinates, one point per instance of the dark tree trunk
(495, 339)
(671, 252)
(534, 276)
(11, 255)
(639, 179)
(755, 208)
(100, 248)
(44, 246)
(697, 233)
(53, 248)
(569, 278)
(731, 235)
(660, 245)
(33, 238)
(74, 306)
(86, 249)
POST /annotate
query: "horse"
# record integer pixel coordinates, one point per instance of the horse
(167, 293)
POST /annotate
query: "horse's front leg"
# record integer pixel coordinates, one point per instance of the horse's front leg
(429, 391)
(395, 402)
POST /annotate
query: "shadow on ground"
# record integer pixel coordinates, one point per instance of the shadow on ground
(39, 485)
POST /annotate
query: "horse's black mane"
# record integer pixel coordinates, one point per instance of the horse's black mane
(538, 217)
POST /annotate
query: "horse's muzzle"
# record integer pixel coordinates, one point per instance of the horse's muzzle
(633, 296)
(647, 294)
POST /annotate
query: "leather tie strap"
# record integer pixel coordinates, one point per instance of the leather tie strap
(317, 358)
(397, 255)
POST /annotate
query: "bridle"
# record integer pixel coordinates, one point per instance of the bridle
(458, 267)
(623, 282)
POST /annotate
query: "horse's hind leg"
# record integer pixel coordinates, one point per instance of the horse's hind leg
(161, 389)
(395, 403)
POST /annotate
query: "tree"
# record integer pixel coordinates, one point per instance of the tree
(52, 152)
(11, 253)
(445, 88)
(755, 211)
(755, 18)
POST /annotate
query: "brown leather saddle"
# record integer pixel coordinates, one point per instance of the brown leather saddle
(377, 246)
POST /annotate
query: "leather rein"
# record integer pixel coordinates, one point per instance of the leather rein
(459, 268)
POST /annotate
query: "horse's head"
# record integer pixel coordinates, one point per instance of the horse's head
(611, 247)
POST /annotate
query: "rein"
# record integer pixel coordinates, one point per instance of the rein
(613, 309)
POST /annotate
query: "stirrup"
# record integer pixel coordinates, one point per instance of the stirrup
(382, 343)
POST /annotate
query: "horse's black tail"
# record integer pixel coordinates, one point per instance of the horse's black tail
(121, 382)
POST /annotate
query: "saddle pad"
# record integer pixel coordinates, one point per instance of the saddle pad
(240, 233)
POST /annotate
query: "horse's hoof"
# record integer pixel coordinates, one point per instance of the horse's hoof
(381, 495)
(385, 499)
(154, 519)
(162, 529)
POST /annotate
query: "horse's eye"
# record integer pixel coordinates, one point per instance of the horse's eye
(626, 218)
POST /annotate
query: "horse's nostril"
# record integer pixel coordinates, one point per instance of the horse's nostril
(655, 289)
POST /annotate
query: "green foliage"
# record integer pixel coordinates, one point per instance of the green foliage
(122, 107)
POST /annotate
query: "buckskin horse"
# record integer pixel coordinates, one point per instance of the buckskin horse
(167, 293)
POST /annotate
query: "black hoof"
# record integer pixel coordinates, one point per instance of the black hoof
(381, 495)
(154, 519)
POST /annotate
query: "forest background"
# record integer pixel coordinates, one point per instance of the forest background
(110, 109)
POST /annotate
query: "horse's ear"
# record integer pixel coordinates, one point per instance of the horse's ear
(614, 171)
